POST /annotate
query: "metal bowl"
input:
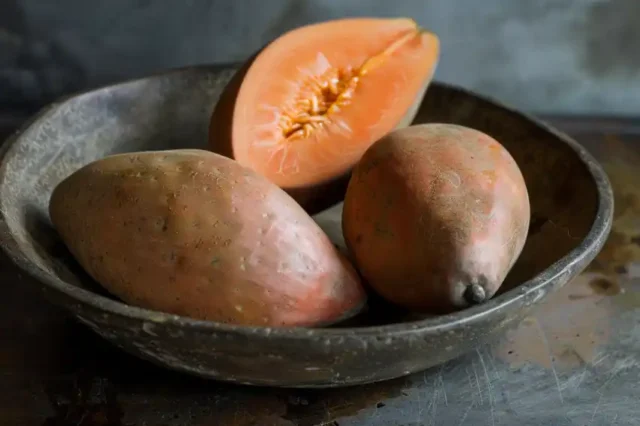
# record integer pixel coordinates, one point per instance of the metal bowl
(571, 200)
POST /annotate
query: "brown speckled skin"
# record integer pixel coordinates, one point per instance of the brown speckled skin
(193, 233)
(433, 209)
(571, 205)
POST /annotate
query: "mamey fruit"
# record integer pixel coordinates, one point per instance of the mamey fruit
(304, 109)
(435, 216)
(193, 233)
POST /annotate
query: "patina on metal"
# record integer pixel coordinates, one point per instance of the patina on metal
(571, 200)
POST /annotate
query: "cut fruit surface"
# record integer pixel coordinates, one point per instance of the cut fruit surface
(307, 106)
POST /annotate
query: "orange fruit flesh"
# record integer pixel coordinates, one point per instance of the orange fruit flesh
(317, 97)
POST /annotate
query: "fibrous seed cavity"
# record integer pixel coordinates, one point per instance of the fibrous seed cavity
(322, 96)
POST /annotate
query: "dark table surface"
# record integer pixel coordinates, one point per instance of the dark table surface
(575, 361)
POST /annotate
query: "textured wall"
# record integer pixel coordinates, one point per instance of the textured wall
(542, 55)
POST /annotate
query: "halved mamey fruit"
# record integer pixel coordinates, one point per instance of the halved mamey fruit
(304, 109)
(435, 216)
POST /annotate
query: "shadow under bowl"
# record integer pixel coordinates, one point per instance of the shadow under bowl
(571, 201)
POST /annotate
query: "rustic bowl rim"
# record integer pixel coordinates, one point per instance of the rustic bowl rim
(583, 253)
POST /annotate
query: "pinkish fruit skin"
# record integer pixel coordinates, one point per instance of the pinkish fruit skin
(193, 233)
(435, 216)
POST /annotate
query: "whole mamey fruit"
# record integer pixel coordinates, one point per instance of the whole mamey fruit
(194, 233)
(435, 216)
(304, 109)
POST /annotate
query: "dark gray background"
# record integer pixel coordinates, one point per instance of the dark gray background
(568, 56)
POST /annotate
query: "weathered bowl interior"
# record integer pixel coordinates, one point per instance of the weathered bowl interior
(571, 216)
